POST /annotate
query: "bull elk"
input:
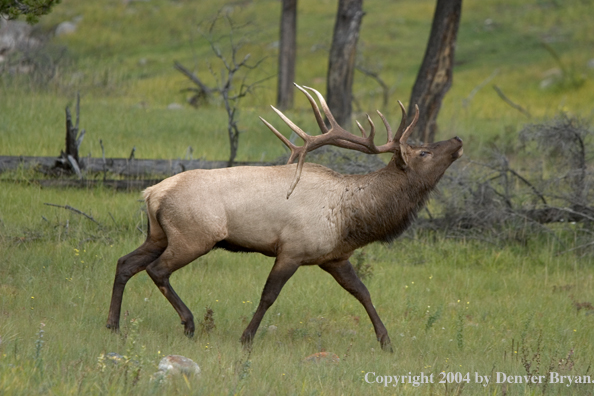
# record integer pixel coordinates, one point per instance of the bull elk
(322, 218)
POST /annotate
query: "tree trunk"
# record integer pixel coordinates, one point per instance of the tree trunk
(341, 65)
(286, 55)
(435, 76)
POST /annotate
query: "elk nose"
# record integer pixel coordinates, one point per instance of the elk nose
(458, 139)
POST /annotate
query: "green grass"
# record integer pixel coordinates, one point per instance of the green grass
(156, 133)
(121, 60)
(450, 305)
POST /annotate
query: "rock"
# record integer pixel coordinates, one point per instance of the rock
(175, 106)
(322, 357)
(591, 64)
(114, 358)
(172, 365)
(17, 35)
(489, 24)
(547, 82)
(176, 364)
(65, 28)
(554, 72)
(550, 77)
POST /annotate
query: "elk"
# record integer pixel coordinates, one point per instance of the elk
(322, 218)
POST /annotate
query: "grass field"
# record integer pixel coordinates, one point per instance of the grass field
(521, 306)
(121, 61)
(453, 306)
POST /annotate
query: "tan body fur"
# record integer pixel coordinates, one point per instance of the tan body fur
(246, 223)
(314, 224)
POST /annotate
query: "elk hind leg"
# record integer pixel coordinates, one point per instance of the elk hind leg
(161, 269)
(128, 266)
(344, 273)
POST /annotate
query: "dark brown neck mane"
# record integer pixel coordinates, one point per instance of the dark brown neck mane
(381, 205)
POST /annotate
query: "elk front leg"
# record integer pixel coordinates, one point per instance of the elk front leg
(127, 267)
(279, 275)
(345, 275)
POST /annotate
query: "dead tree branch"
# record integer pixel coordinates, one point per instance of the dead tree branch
(564, 140)
(378, 79)
(466, 101)
(509, 102)
(68, 207)
(506, 168)
(201, 93)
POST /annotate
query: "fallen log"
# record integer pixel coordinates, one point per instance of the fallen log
(121, 166)
(560, 215)
(546, 215)
(119, 185)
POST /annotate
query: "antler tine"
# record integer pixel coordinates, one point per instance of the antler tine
(340, 136)
(315, 109)
(372, 130)
(402, 123)
(410, 127)
(361, 129)
(297, 173)
(295, 150)
(291, 125)
(282, 137)
(388, 127)
(325, 107)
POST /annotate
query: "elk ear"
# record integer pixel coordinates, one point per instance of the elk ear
(402, 158)
(404, 147)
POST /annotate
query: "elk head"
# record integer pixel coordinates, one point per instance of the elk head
(428, 162)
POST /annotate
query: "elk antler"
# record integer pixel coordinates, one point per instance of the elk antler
(337, 136)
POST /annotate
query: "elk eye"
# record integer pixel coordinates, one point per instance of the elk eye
(423, 153)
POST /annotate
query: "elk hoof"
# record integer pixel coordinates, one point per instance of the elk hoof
(386, 344)
(188, 328)
(246, 340)
(113, 327)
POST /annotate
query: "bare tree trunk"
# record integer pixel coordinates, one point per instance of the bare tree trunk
(286, 55)
(70, 159)
(341, 65)
(435, 76)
